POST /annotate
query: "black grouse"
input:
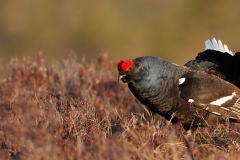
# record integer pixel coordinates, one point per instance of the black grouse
(179, 93)
(218, 60)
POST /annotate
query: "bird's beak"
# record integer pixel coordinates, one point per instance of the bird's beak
(120, 76)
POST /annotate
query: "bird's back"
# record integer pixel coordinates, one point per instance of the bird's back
(219, 61)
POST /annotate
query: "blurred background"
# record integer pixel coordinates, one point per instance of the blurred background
(174, 30)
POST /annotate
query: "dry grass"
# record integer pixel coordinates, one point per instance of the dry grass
(78, 110)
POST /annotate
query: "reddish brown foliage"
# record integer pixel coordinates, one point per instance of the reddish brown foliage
(78, 110)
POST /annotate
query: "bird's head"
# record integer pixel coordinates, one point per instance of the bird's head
(138, 69)
(130, 70)
(145, 69)
(125, 70)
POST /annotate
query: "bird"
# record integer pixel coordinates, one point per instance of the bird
(180, 94)
(218, 60)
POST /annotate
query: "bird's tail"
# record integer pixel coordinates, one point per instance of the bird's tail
(217, 46)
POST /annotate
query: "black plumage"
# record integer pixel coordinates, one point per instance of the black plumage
(195, 98)
(219, 61)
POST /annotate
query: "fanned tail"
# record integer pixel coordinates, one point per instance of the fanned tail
(217, 46)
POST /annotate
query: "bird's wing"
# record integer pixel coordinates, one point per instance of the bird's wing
(211, 93)
(218, 63)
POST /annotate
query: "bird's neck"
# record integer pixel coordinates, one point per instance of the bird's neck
(159, 89)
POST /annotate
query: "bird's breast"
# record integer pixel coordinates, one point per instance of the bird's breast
(160, 97)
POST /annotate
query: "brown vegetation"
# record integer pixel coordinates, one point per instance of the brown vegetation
(78, 110)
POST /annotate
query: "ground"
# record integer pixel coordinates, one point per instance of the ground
(74, 109)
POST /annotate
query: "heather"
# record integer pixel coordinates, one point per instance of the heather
(76, 109)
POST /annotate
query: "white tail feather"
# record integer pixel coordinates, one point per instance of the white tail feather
(208, 44)
(226, 48)
(217, 46)
(220, 46)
